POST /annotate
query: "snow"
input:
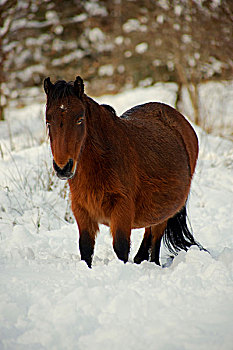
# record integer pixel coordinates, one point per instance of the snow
(216, 105)
(178, 10)
(96, 34)
(78, 18)
(50, 299)
(186, 38)
(25, 74)
(52, 16)
(73, 56)
(132, 25)
(106, 70)
(160, 19)
(94, 8)
(141, 48)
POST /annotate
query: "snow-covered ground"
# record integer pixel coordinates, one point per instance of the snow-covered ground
(49, 299)
(216, 106)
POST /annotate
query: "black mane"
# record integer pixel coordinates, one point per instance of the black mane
(62, 89)
(109, 108)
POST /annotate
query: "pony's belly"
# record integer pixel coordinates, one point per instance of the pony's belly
(150, 221)
(154, 209)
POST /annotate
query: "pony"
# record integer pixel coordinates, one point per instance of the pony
(127, 172)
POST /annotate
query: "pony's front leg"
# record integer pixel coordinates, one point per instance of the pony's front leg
(87, 234)
(121, 220)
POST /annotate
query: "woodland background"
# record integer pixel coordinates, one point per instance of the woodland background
(114, 44)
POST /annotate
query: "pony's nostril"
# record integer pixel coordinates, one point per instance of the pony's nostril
(56, 167)
(70, 163)
(68, 167)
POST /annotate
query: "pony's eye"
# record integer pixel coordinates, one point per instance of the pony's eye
(80, 121)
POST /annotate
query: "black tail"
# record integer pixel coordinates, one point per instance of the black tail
(177, 235)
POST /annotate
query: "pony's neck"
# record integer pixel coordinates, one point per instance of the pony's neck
(98, 122)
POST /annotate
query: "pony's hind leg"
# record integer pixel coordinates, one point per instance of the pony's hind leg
(157, 233)
(150, 246)
(145, 247)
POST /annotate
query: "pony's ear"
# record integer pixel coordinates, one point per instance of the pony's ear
(48, 85)
(79, 87)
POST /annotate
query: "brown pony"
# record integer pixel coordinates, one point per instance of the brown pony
(126, 172)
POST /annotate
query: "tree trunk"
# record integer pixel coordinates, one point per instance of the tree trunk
(192, 91)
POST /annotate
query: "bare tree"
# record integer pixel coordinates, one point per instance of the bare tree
(7, 11)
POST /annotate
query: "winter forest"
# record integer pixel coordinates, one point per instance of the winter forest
(128, 52)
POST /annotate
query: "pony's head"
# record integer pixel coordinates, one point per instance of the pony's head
(66, 122)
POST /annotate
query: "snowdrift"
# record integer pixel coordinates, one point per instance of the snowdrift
(50, 299)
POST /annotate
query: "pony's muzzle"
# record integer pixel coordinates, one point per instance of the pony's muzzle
(66, 172)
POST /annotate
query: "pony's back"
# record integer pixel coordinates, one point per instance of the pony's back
(172, 119)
